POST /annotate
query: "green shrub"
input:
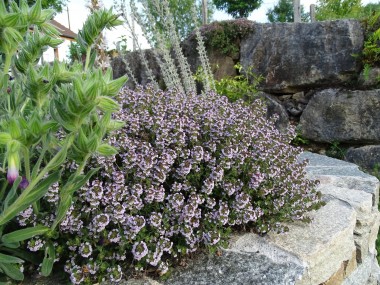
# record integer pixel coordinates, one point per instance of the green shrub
(240, 87)
(225, 36)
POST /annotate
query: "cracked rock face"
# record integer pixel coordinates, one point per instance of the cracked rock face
(293, 57)
(342, 115)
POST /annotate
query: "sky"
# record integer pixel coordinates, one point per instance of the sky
(78, 13)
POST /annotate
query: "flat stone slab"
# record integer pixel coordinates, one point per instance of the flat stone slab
(236, 268)
(338, 173)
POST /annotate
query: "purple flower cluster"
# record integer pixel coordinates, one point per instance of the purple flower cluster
(188, 168)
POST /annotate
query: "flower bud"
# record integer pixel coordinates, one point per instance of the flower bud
(12, 173)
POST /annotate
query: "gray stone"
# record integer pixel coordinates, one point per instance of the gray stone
(274, 107)
(293, 57)
(363, 273)
(367, 156)
(334, 115)
(335, 172)
(137, 68)
(236, 268)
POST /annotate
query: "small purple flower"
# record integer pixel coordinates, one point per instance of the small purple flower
(139, 250)
(85, 249)
(24, 183)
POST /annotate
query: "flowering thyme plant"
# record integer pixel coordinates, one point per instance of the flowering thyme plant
(48, 114)
(189, 168)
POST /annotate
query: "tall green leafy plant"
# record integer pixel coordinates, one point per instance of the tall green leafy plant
(49, 115)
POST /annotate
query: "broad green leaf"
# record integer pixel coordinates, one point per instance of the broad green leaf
(9, 259)
(24, 255)
(48, 262)
(24, 234)
(13, 271)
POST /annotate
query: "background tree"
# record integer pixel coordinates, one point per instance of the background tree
(57, 5)
(283, 12)
(237, 8)
(338, 9)
(182, 15)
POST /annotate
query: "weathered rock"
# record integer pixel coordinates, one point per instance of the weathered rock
(137, 68)
(367, 157)
(342, 116)
(274, 107)
(236, 267)
(293, 57)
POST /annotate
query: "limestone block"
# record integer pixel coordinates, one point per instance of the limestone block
(320, 246)
(347, 267)
(338, 173)
(363, 273)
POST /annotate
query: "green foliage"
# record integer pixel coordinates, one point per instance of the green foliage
(57, 5)
(237, 8)
(240, 87)
(338, 9)
(50, 115)
(371, 51)
(299, 140)
(283, 12)
(225, 36)
(76, 53)
(182, 16)
(336, 150)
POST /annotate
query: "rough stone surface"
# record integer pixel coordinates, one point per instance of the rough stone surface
(137, 67)
(334, 115)
(367, 156)
(236, 268)
(367, 273)
(274, 107)
(295, 56)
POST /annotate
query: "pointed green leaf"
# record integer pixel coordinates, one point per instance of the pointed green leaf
(11, 245)
(24, 234)
(12, 194)
(35, 12)
(48, 262)
(114, 86)
(64, 205)
(106, 150)
(107, 104)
